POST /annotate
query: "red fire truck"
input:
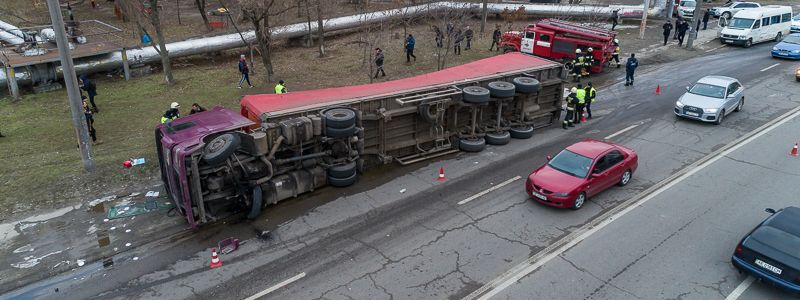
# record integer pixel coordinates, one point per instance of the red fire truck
(558, 40)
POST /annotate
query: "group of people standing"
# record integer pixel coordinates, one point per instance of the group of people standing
(682, 26)
(456, 35)
(579, 102)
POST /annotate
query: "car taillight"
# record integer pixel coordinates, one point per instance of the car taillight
(739, 249)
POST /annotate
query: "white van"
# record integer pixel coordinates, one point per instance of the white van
(752, 26)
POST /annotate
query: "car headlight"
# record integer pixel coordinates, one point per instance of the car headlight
(741, 37)
(797, 72)
(679, 103)
(774, 48)
(710, 110)
(561, 194)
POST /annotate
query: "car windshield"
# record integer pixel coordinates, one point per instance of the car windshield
(571, 163)
(708, 90)
(688, 3)
(728, 4)
(741, 23)
(796, 18)
(792, 39)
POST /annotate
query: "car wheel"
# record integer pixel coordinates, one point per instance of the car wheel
(626, 177)
(498, 138)
(579, 201)
(501, 89)
(220, 148)
(721, 116)
(741, 103)
(472, 145)
(726, 15)
(748, 43)
(779, 37)
(475, 95)
(524, 132)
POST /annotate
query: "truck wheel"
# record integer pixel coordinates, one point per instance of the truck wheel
(526, 84)
(340, 132)
(426, 113)
(255, 206)
(498, 138)
(339, 117)
(343, 171)
(220, 148)
(501, 89)
(472, 145)
(524, 132)
(342, 182)
(475, 95)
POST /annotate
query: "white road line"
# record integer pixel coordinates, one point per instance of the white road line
(621, 131)
(712, 49)
(478, 195)
(770, 67)
(741, 288)
(536, 261)
(277, 286)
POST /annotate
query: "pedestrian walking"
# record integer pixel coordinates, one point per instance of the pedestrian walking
(91, 90)
(667, 29)
(496, 38)
(439, 36)
(571, 100)
(590, 96)
(682, 32)
(280, 88)
(379, 62)
(172, 113)
(580, 93)
(87, 113)
(410, 43)
(245, 71)
(617, 51)
(196, 108)
(706, 16)
(630, 67)
(614, 19)
(458, 37)
(677, 24)
(468, 35)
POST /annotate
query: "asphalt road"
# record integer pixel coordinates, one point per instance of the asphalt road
(429, 246)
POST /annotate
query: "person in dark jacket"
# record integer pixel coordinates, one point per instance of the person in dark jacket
(439, 36)
(677, 24)
(468, 35)
(379, 62)
(245, 71)
(458, 37)
(706, 16)
(196, 108)
(87, 113)
(172, 113)
(496, 38)
(614, 19)
(630, 67)
(682, 28)
(572, 101)
(410, 43)
(90, 88)
(667, 29)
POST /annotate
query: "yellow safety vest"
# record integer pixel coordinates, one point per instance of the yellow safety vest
(165, 119)
(581, 94)
(279, 89)
(616, 50)
(592, 94)
(579, 60)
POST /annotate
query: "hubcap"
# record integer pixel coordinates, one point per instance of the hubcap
(579, 201)
(626, 177)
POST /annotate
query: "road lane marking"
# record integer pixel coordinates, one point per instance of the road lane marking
(557, 248)
(489, 190)
(741, 288)
(277, 286)
(621, 131)
(712, 49)
(770, 67)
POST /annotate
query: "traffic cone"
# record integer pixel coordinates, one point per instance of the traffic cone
(583, 118)
(794, 150)
(658, 90)
(215, 262)
(441, 174)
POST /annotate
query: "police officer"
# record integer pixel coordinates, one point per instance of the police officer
(580, 93)
(172, 113)
(577, 66)
(572, 100)
(590, 95)
(280, 88)
(617, 51)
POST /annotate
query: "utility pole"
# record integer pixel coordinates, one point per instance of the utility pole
(484, 13)
(643, 26)
(70, 80)
(696, 16)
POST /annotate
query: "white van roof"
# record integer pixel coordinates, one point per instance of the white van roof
(756, 13)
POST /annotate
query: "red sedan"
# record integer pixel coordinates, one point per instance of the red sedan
(566, 181)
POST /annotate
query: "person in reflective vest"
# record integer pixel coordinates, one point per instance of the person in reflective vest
(590, 96)
(280, 88)
(172, 113)
(580, 93)
(577, 66)
(572, 100)
(588, 61)
(617, 51)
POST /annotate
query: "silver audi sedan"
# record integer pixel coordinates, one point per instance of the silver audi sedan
(711, 99)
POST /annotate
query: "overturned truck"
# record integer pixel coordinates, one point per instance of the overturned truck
(282, 145)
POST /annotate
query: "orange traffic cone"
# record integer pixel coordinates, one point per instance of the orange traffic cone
(794, 150)
(658, 89)
(441, 174)
(215, 262)
(583, 118)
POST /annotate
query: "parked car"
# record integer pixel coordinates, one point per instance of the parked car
(580, 171)
(795, 24)
(728, 10)
(788, 48)
(686, 8)
(771, 251)
(711, 99)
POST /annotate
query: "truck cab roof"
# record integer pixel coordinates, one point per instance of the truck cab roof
(193, 128)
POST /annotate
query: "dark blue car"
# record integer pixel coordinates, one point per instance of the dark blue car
(788, 48)
(771, 252)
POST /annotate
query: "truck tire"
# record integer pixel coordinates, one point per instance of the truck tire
(340, 132)
(339, 117)
(501, 89)
(472, 145)
(426, 113)
(255, 206)
(526, 84)
(498, 138)
(524, 132)
(343, 171)
(220, 148)
(475, 95)
(342, 182)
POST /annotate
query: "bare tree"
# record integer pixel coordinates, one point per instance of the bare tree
(201, 6)
(320, 30)
(450, 20)
(260, 13)
(150, 9)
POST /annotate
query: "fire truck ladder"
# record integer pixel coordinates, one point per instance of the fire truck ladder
(577, 27)
(441, 143)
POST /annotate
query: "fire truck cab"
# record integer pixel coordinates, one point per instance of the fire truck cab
(558, 40)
